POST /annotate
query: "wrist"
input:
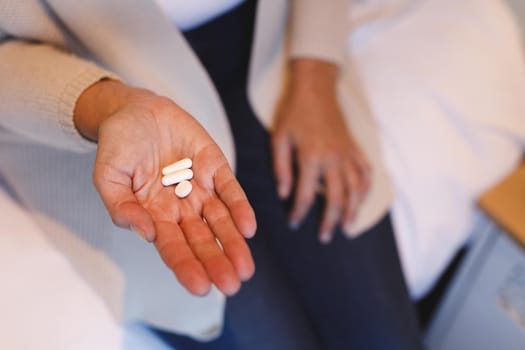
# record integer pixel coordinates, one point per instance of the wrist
(313, 76)
(97, 103)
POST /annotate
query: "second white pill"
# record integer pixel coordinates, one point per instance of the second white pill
(184, 163)
(176, 177)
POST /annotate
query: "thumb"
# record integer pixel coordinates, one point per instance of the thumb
(133, 216)
(124, 209)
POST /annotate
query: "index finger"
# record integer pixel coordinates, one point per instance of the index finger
(114, 187)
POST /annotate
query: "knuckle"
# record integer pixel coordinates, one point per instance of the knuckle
(335, 201)
(162, 105)
(335, 188)
(278, 135)
(352, 178)
(365, 166)
(332, 156)
(305, 197)
(164, 102)
(308, 156)
(334, 206)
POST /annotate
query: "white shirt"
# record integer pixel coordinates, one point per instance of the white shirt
(190, 14)
(445, 80)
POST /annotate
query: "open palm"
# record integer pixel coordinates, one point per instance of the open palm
(134, 144)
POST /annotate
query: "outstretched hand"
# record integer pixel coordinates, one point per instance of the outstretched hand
(200, 237)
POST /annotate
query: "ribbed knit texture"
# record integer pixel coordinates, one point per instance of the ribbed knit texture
(319, 31)
(47, 85)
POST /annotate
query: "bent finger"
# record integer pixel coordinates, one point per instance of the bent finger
(364, 170)
(115, 190)
(352, 192)
(334, 196)
(309, 171)
(282, 164)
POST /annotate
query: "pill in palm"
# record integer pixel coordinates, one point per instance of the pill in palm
(183, 189)
(182, 164)
(176, 177)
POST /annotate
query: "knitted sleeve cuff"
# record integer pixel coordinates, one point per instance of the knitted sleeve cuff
(318, 29)
(65, 104)
(43, 86)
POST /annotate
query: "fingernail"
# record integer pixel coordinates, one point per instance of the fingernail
(141, 233)
(282, 191)
(325, 238)
(346, 225)
(349, 220)
(293, 225)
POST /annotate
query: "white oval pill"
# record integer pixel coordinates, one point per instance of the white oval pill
(183, 189)
(182, 164)
(176, 177)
